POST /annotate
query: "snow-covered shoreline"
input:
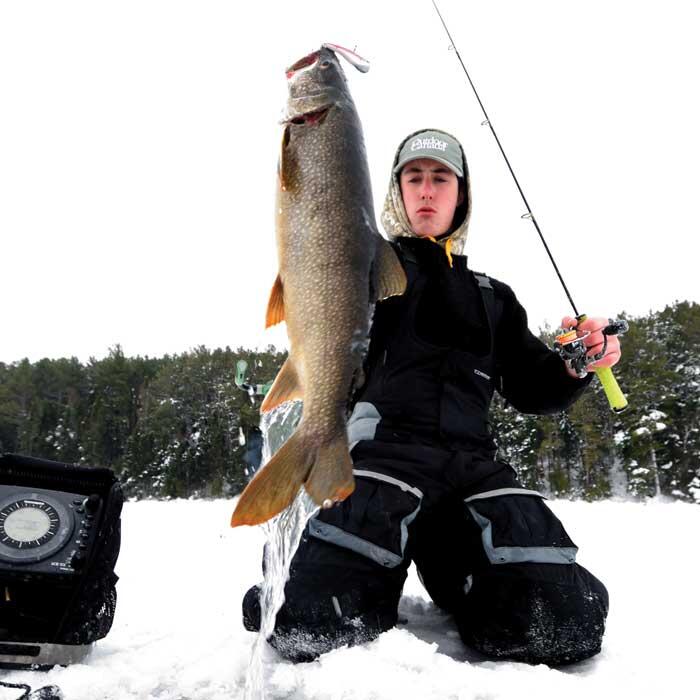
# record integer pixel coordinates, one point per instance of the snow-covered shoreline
(177, 633)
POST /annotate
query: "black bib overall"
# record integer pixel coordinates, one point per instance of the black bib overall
(429, 490)
(422, 391)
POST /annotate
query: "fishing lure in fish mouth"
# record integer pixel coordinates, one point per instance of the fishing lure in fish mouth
(310, 60)
(362, 64)
(311, 107)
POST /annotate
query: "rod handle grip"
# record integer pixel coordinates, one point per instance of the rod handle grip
(616, 399)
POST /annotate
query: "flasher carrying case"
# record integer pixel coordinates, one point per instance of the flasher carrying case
(60, 534)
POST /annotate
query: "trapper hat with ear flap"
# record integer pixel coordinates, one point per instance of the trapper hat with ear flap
(445, 148)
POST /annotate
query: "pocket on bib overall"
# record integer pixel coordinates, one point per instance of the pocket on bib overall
(517, 526)
(374, 520)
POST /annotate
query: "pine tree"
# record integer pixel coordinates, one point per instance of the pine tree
(179, 426)
(647, 380)
(680, 330)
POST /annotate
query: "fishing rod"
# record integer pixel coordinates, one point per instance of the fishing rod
(569, 345)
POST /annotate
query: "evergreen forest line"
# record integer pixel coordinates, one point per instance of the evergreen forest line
(178, 426)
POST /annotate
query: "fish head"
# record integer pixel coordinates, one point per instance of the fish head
(317, 82)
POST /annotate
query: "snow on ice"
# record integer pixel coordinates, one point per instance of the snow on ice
(177, 633)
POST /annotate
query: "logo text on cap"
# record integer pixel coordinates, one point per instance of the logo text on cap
(428, 144)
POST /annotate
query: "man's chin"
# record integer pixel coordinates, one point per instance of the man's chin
(426, 233)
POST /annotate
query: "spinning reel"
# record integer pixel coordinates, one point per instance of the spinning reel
(572, 348)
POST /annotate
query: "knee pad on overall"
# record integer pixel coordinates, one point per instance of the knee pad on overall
(529, 600)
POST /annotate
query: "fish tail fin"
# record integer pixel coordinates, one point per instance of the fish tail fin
(330, 478)
(275, 486)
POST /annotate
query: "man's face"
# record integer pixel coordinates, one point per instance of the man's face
(431, 194)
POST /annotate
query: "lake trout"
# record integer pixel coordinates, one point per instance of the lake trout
(333, 266)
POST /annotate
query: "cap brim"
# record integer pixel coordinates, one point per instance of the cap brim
(457, 171)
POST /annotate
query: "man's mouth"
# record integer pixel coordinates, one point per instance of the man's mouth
(427, 210)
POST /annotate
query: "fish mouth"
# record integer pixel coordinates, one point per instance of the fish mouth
(305, 62)
(310, 118)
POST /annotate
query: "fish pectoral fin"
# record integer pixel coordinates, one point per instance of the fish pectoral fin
(330, 478)
(275, 305)
(286, 387)
(388, 276)
(275, 486)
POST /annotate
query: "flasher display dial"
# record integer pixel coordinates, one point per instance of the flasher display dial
(28, 523)
(33, 526)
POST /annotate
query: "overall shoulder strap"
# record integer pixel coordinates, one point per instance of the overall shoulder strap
(408, 260)
(493, 308)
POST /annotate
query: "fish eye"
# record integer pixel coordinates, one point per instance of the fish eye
(324, 64)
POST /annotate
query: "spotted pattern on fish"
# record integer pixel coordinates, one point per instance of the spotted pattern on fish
(325, 249)
(331, 259)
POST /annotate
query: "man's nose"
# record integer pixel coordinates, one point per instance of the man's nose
(426, 189)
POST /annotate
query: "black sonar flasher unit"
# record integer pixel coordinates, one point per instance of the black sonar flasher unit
(60, 534)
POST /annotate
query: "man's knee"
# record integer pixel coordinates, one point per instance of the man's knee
(334, 597)
(535, 613)
(527, 599)
(312, 622)
(347, 574)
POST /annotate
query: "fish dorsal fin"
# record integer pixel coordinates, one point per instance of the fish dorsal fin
(275, 306)
(388, 276)
(286, 387)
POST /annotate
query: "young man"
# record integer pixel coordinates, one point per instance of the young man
(429, 488)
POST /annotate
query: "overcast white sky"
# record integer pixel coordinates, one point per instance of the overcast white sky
(139, 141)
